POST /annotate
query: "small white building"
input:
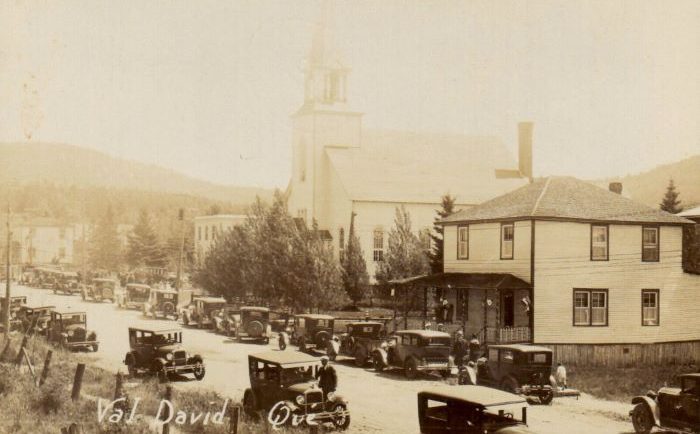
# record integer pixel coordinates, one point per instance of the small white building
(208, 228)
(563, 263)
(41, 240)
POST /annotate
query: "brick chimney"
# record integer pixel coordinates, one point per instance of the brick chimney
(615, 187)
(525, 149)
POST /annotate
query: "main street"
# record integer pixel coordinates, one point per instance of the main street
(379, 402)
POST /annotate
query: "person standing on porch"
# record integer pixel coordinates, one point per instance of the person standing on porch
(474, 348)
(459, 349)
(445, 305)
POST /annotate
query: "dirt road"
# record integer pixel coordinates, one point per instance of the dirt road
(379, 402)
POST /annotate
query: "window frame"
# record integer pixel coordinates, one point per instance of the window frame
(590, 292)
(657, 293)
(378, 252)
(512, 241)
(658, 243)
(459, 241)
(607, 241)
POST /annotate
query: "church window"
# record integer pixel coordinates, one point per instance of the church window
(378, 244)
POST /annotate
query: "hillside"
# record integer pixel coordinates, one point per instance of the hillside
(649, 187)
(68, 165)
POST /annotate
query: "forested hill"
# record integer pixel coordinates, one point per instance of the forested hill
(66, 165)
(649, 187)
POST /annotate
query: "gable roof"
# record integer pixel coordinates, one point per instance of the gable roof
(564, 198)
(393, 166)
(693, 212)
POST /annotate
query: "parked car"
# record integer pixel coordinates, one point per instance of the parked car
(471, 410)
(226, 318)
(518, 368)
(160, 352)
(253, 323)
(134, 296)
(66, 283)
(671, 408)
(69, 330)
(416, 351)
(162, 303)
(288, 378)
(361, 340)
(201, 311)
(16, 302)
(36, 319)
(100, 289)
(309, 330)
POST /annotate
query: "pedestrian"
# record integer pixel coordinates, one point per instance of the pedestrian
(445, 304)
(327, 378)
(560, 376)
(474, 348)
(459, 349)
(428, 326)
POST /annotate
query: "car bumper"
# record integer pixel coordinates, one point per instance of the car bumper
(81, 344)
(530, 390)
(437, 367)
(181, 369)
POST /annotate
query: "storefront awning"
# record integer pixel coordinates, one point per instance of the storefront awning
(465, 281)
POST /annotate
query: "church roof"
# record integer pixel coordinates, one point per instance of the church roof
(400, 166)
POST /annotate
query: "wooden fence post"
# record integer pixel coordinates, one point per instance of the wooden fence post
(169, 398)
(6, 349)
(29, 363)
(45, 371)
(78, 381)
(18, 359)
(118, 386)
(234, 414)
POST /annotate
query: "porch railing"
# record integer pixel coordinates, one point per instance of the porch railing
(506, 335)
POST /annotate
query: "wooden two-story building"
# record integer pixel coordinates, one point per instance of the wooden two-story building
(563, 263)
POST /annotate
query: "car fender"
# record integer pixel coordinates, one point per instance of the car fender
(284, 337)
(196, 358)
(129, 355)
(159, 361)
(651, 405)
(339, 399)
(382, 354)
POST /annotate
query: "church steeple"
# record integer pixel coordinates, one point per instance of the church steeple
(325, 73)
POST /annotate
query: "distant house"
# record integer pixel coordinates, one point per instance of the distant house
(563, 263)
(41, 240)
(207, 229)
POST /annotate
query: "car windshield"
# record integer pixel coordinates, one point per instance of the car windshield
(76, 318)
(255, 314)
(164, 339)
(436, 341)
(298, 375)
(536, 358)
(137, 292)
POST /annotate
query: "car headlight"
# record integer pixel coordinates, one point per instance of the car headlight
(70, 333)
(169, 356)
(300, 399)
(330, 396)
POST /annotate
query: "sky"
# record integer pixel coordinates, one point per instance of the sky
(207, 87)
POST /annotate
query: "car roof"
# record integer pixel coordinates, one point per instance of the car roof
(691, 375)
(255, 308)
(478, 395)
(69, 312)
(211, 299)
(365, 323)
(523, 348)
(286, 359)
(39, 307)
(424, 333)
(137, 285)
(314, 316)
(156, 329)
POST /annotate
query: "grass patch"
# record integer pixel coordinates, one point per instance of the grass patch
(622, 384)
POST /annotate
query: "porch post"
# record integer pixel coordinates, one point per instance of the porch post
(405, 307)
(486, 315)
(425, 305)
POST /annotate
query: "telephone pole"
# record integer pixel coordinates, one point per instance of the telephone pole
(181, 218)
(6, 307)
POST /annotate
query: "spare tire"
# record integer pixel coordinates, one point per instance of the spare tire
(168, 308)
(321, 338)
(255, 328)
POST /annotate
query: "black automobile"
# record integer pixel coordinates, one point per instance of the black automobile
(671, 408)
(160, 352)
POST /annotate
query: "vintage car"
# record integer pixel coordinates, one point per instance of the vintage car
(671, 408)
(162, 303)
(361, 340)
(471, 410)
(66, 283)
(16, 302)
(100, 289)
(35, 320)
(282, 385)
(160, 352)
(416, 351)
(69, 330)
(226, 318)
(309, 330)
(201, 311)
(134, 296)
(253, 323)
(518, 368)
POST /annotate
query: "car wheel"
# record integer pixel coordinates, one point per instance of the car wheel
(378, 363)
(266, 341)
(547, 399)
(95, 347)
(642, 419)
(250, 404)
(509, 384)
(410, 369)
(160, 372)
(199, 371)
(281, 343)
(131, 367)
(360, 357)
(341, 417)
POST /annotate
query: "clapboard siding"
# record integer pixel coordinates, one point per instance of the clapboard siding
(562, 263)
(626, 355)
(485, 250)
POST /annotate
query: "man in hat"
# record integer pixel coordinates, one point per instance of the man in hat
(459, 349)
(327, 378)
(474, 348)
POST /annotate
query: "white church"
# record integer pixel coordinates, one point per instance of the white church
(340, 168)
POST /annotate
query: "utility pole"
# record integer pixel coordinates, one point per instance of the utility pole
(83, 242)
(6, 307)
(181, 218)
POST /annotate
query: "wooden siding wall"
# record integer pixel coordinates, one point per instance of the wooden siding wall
(562, 263)
(485, 250)
(627, 355)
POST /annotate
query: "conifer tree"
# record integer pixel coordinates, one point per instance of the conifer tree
(355, 277)
(436, 255)
(144, 248)
(670, 202)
